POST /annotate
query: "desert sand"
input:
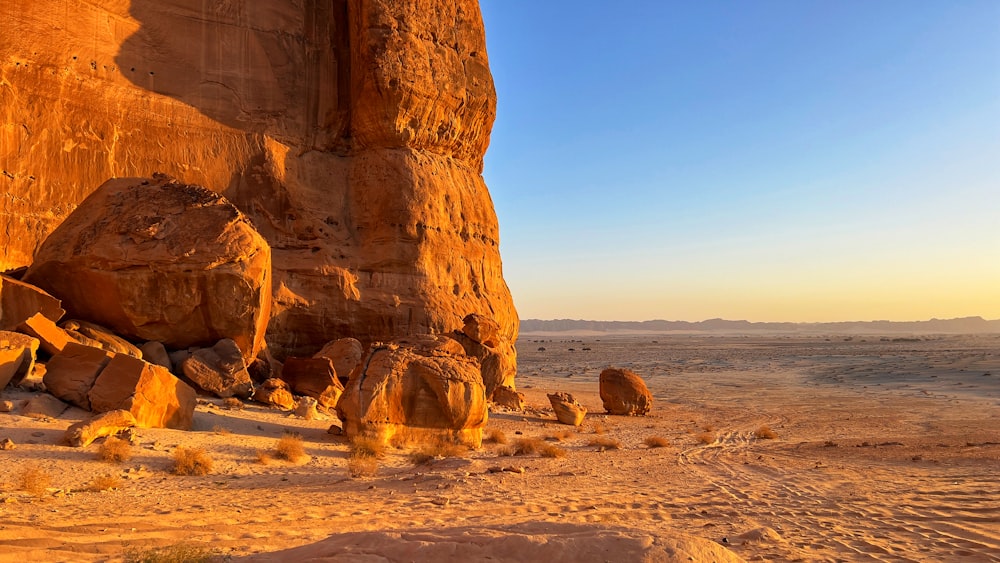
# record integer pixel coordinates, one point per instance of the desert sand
(883, 450)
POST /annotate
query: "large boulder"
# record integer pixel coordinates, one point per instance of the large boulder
(313, 377)
(568, 410)
(345, 353)
(442, 396)
(219, 370)
(624, 392)
(482, 339)
(71, 374)
(156, 259)
(17, 357)
(19, 301)
(153, 395)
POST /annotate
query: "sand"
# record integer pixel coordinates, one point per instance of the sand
(884, 451)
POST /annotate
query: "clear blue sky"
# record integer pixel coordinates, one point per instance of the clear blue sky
(769, 160)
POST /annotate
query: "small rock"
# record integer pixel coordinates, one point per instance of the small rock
(6, 406)
(7, 444)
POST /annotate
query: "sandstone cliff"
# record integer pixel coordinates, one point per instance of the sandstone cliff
(351, 132)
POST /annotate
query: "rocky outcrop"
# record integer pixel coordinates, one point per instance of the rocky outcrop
(345, 353)
(274, 392)
(397, 388)
(313, 377)
(481, 338)
(219, 370)
(71, 374)
(567, 409)
(351, 133)
(19, 301)
(17, 357)
(624, 393)
(160, 260)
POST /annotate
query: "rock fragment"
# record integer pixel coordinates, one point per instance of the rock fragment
(17, 357)
(109, 423)
(153, 395)
(219, 370)
(567, 409)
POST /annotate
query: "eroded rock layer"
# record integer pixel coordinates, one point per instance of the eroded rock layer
(351, 132)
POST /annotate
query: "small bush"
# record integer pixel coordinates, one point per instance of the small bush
(115, 450)
(35, 480)
(656, 442)
(290, 448)
(496, 436)
(551, 450)
(173, 554)
(362, 466)
(603, 444)
(506, 451)
(561, 435)
(191, 461)
(232, 403)
(221, 430)
(765, 433)
(599, 428)
(367, 447)
(527, 446)
(706, 438)
(264, 458)
(105, 483)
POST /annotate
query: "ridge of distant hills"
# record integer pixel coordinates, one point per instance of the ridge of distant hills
(965, 325)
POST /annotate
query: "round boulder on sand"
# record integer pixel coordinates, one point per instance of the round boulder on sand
(154, 259)
(624, 392)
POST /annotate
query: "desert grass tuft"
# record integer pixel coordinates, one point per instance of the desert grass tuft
(105, 482)
(527, 446)
(34, 480)
(367, 447)
(362, 466)
(605, 443)
(656, 442)
(221, 430)
(599, 428)
(115, 450)
(560, 435)
(496, 436)
(181, 553)
(437, 448)
(191, 461)
(706, 438)
(506, 451)
(290, 448)
(551, 450)
(232, 403)
(765, 433)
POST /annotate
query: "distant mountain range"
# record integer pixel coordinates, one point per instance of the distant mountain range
(967, 325)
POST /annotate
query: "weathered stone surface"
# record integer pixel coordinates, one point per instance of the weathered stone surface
(567, 409)
(83, 433)
(313, 377)
(508, 398)
(397, 388)
(156, 353)
(154, 396)
(71, 374)
(274, 392)
(17, 357)
(306, 408)
(107, 339)
(345, 353)
(52, 339)
(219, 370)
(6, 406)
(352, 133)
(482, 339)
(160, 260)
(44, 406)
(624, 392)
(20, 300)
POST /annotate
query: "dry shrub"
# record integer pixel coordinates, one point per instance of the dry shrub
(105, 483)
(367, 447)
(232, 403)
(561, 435)
(603, 444)
(362, 466)
(765, 433)
(191, 461)
(599, 428)
(173, 554)
(656, 442)
(290, 448)
(264, 458)
(552, 450)
(115, 450)
(528, 446)
(35, 480)
(496, 436)
(221, 430)
(706, 438)
(506, 451)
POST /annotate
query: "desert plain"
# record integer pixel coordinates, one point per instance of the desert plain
(758, 448)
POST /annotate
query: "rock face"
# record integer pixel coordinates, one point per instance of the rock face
(440, 395)
(71, 374)
(345, 353)
(313, 377)
(352, 133)
(19, 301)
(160, 260)
(624, 393)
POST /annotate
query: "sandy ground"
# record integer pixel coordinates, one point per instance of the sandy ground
(885, 451)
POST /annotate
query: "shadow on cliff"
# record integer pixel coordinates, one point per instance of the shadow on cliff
(262, 67)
